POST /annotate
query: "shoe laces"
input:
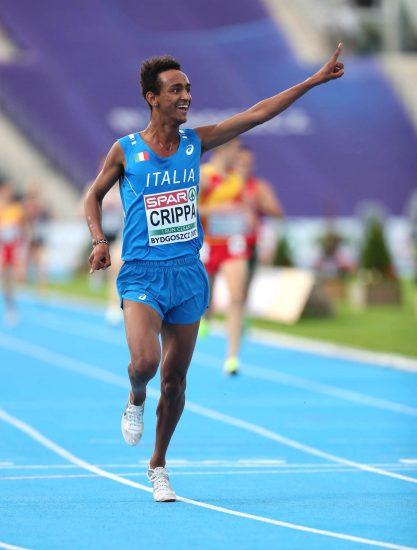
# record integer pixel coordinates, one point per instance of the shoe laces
(134, 415)
(160, 479)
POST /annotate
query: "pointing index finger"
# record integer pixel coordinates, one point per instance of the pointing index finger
(337, 52)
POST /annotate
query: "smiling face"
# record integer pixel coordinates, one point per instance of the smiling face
(174, 97)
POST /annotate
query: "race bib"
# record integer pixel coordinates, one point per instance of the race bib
(9, 233)
(226, 224)
(171, 216)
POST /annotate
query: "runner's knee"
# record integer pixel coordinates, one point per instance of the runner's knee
(173, 387)
(143, 367)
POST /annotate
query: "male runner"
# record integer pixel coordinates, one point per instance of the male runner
(37, 217)
(163, 285)
(259, 194)
(12, 231)
(227, 219)
(232, 200)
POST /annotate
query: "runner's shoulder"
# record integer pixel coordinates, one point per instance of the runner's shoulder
(191, 135)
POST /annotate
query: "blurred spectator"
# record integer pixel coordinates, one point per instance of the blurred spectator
(412, 219)
(37, 217)
(332, 264)
(12, 231)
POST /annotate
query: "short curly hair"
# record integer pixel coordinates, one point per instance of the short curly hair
(150, 70)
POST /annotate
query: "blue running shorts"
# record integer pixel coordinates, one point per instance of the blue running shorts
(177, 289)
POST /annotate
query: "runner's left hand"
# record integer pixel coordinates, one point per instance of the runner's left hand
(332, 70)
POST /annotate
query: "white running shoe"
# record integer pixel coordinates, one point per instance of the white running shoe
(162, 490)
(132, 423)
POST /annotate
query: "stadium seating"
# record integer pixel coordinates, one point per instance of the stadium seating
(74, 90)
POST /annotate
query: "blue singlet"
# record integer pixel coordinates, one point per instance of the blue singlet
(159, 197)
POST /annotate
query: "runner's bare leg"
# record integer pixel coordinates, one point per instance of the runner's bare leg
(178, 342)
(142, 325)
(235, 272)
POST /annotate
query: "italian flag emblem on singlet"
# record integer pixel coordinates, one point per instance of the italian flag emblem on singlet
(140, 157)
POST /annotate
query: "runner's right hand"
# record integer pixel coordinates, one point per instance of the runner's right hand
(99, 257)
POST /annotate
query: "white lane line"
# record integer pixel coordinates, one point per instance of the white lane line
(57, 476)
(46, 356)
(373, 358)
(298, 343)
(249, 426)
(175, 467)
(11, 546)
(306, 384)
(182, 464)
(82, 329)
(176, 473)
(60, 451)
(261, 373)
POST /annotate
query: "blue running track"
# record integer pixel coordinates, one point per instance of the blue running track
(304, 450)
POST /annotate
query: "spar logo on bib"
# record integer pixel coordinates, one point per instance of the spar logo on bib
(171, 216)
